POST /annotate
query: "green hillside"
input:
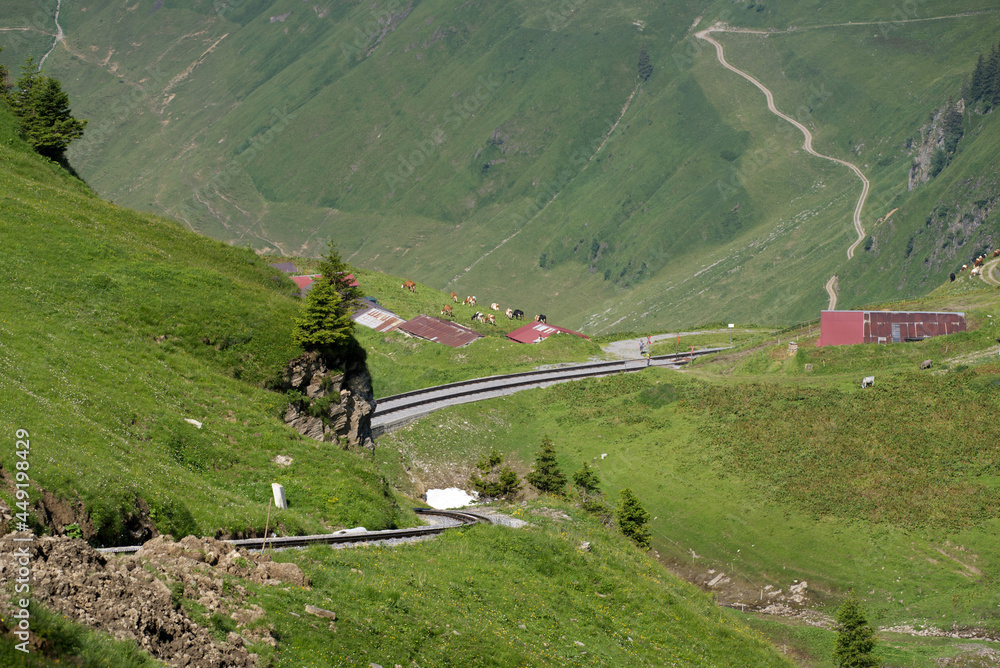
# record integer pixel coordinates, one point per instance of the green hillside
(117, 327)
(457, 144)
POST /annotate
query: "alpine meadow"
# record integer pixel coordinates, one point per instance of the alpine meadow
(693, 182)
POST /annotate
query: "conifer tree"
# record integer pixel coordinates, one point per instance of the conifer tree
(633, 520)
(978, 83)
(855, 637)
(326, 324)
(546, 476)
(42, 109)
(494, 479)
(645, 65)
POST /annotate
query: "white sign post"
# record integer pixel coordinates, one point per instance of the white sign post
(279, 495)
(731, 325)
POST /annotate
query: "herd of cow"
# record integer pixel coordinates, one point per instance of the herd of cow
(485, 318)
(978, 263)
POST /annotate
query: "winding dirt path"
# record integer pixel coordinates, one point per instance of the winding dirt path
(807, 142)
(987, 272)
(831, 289)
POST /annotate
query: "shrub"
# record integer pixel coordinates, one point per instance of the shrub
(633, 520)
(547, 476)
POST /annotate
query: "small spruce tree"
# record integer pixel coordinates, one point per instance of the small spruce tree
(645, 65)
(855, 638)
(633, 520)
(493, 480)
(589, 488)
(546, 476)
(326, 324)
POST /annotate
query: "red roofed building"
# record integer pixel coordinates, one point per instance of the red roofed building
(440, 331)
(536, 332)
(305, 282)
(838, 328)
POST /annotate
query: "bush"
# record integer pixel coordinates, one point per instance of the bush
(633, 520)
(546, 476)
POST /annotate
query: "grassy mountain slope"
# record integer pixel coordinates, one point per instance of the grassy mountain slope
(761, 472)
(117, 326)
(457, 144)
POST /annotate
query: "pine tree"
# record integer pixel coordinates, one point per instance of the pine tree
(42, 109)
(645, 65)
(496, 481)
(326, 324)
(586, 480)
(978, 84)
(992, 69)
(633, 520)
(546, 476)
(855, 638)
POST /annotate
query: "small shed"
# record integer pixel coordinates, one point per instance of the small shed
(838, 328)
(305, 282)
(536, 332)
(375, 317)
(440, 331)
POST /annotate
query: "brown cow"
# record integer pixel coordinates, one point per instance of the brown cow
(446, 310)
(494, 306)
(409, 285)
(470, 300)
(509, 313)
(996, 252)
(454, 297)
(491, 319)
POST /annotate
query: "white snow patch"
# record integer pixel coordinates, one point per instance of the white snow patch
(453, 497)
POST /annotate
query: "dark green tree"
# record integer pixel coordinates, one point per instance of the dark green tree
(855, 637)
(645, 65)
(546, 476)
(589, 487)
(633, 520)
(42, 109)
(952, 126)
(586, 480)
(978, 84)
(326, 324)
(493, 480)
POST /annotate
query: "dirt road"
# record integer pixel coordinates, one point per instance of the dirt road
(807, 143)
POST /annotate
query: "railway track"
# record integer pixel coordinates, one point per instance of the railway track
(461, 519)
(397, 410)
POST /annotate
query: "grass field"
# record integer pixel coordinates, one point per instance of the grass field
(755, 468)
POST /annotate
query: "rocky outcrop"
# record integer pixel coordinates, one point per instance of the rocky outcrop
(932, 138)
(329, 404)
(138, 596)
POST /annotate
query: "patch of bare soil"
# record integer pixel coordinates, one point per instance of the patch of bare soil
(138, 596)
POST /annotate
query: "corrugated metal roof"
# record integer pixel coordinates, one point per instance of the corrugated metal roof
(440, 331)
(303, 281)
(377, 318)
(535, 332)
(286, 267)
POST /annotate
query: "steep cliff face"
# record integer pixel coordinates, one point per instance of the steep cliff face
(934, 137)
(328, 404)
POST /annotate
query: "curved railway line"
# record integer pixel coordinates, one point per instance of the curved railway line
(397, 410)
(459, 518)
